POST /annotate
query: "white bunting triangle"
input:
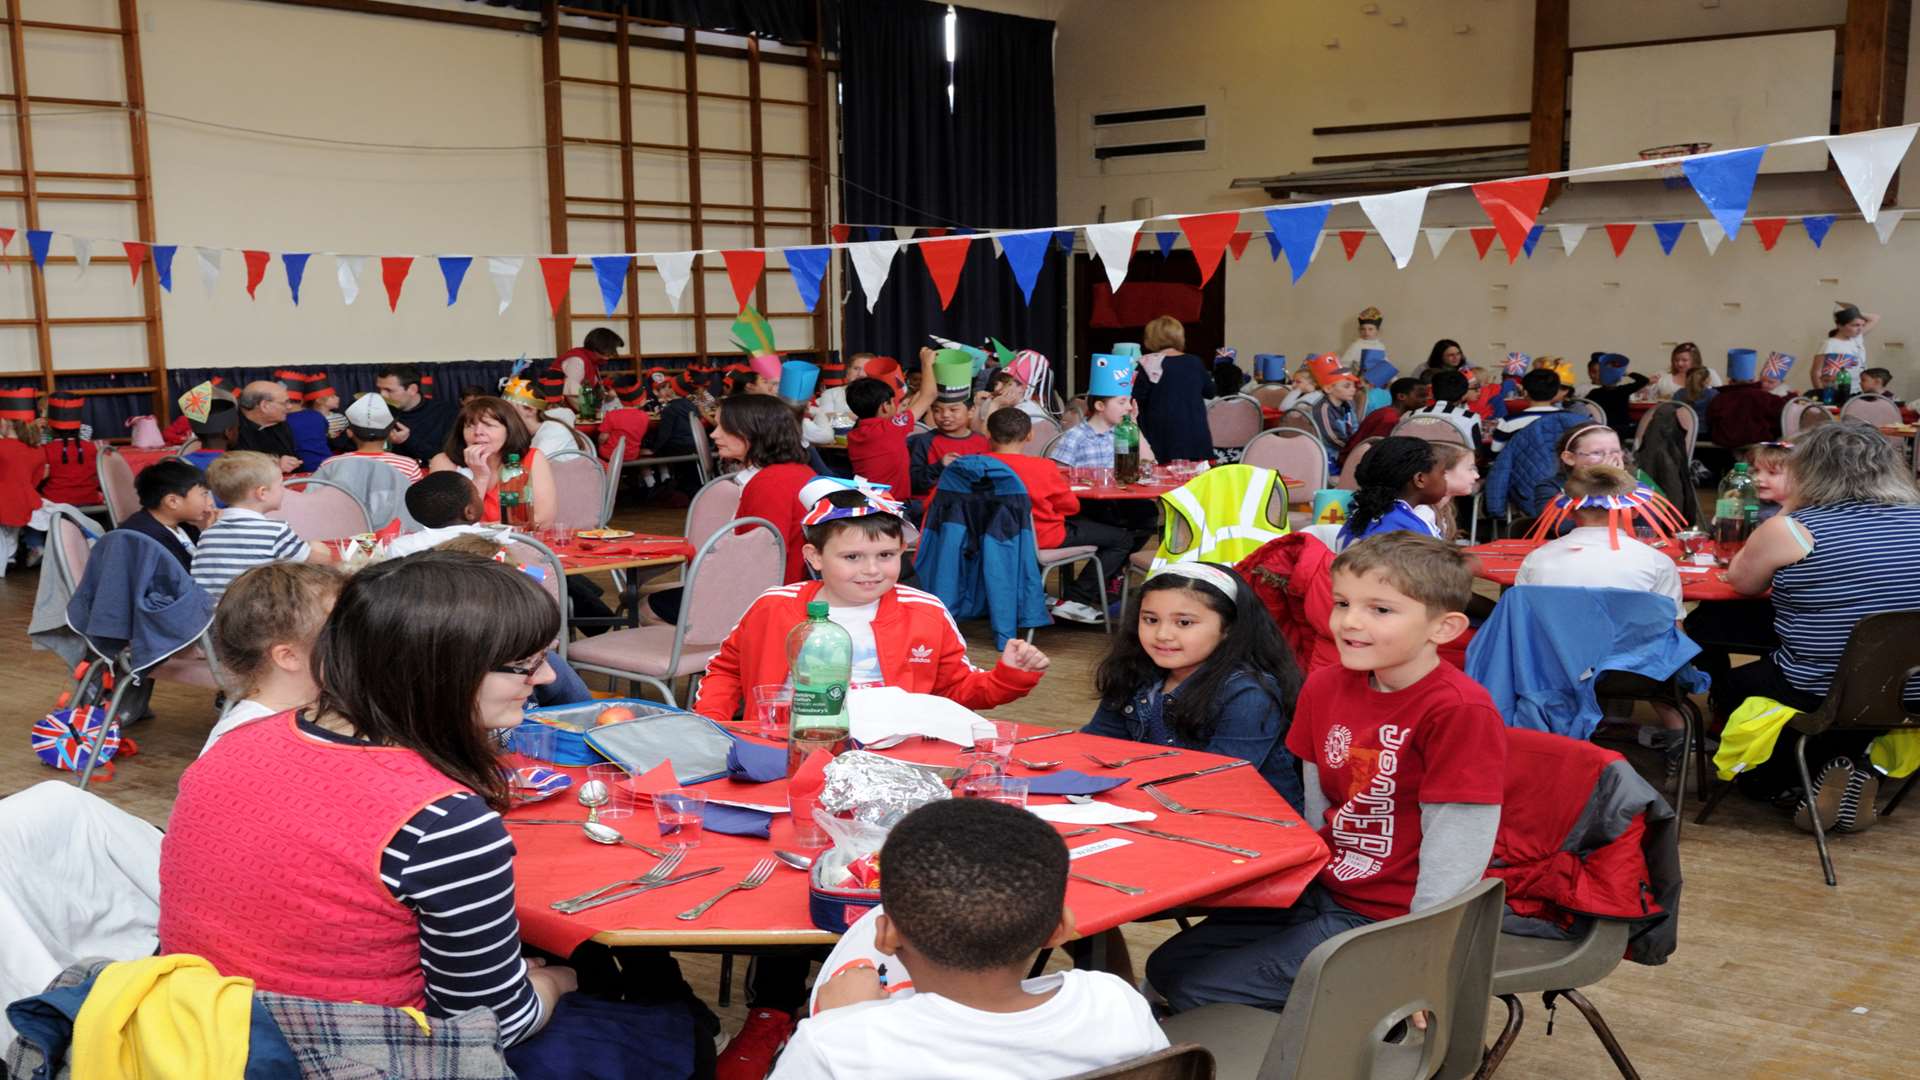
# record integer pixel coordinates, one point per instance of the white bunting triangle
(1437, 240)
(1397, 217)
(1711, 234)
(82, 253)
(1570, 236)
(1317, 241)
(903, 232)
(1889, 221)
(675, 268)
(998, 251)
(873, 263)
(209, 267)
(504, 271)
(1867, 159)
(1113, 243)
(347, 270)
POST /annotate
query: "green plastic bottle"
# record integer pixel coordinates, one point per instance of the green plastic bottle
(1126, 451)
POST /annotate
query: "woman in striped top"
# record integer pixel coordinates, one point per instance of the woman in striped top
(1848, 546)
(354, 851)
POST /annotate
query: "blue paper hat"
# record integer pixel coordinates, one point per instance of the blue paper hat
(1112, 376)
(1743, 365)
(1374, 365)
(797, 380)
(1127, 348)
(1270, 367)
(1613, 368)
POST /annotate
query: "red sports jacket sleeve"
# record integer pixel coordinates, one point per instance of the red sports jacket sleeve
(719, 696)
(958, 679)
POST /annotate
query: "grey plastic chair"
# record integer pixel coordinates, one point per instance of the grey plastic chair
(1356, 988)
(1555, 968)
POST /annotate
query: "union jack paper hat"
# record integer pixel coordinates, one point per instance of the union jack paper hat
(875, 500)
(1518, 364)
(1777, 365)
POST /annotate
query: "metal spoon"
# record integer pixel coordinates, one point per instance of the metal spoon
(798, 862)
(1040, 766)
(602, 833)
(593, 795)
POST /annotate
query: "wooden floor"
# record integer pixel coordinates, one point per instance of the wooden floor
(1777, 975)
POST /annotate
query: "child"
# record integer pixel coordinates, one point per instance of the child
(1334, 415)
(1369, 329)
(211, 414)
(1877, 380)
(72, 473)
(1399, 475)
(1450, 392)
(322, 398)
(973, 891)
(1544, 391)
(1462, 475)
(1403, 759)
(901, 637)
(929, 452)
(369, 423)
(21, 468)
(446, 505)
(1615, 393)
(174, 506)
(1204, 669)
(877, 445)
(1056, 523)
(1089, 444)
(832, 403)
(1771, 481)
(251, 486)
(309, 428)
(1406, 395)
(263, 635)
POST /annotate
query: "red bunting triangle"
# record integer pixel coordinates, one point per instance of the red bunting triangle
(393, 274)
(6, 237)
(1238, 244)
(840, 233)
(1207, 235)
(945, 258)
(1350, 239)
(558, 272)
(744, 269)
(1482, 240)
(1769, 230)
(1512, 205)
(937, 231)
(256, 269)
(137, 254)
(1619, 235)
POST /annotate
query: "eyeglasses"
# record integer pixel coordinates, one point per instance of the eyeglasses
(1598, 455)
(526, 669)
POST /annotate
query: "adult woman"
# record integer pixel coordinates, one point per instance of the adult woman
(379, 838)
(552, 425)
(1685, 358)
(1847, 545)
(484, 434)
(1848, 340)
(1172, 393)
(1446, 355)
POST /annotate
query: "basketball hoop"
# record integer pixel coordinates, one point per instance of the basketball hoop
(1671, 173)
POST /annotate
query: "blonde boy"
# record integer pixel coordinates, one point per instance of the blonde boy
(250, 484)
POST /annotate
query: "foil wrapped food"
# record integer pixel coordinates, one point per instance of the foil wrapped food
(877, 791)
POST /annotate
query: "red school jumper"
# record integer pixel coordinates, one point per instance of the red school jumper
(877, 450)
(774, 493)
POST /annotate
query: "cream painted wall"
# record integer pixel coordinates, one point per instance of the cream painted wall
(1269, 77)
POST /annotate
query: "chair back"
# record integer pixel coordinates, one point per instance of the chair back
(1186, 1061)
(1800, 414)
(1299, 418)
(1046, 451)
(1349, 479)
(380, 488)
(192, 444)
(715, 504)
(580, 490)
(702, 447)
(1434, 429)
(729, 571)
(527, 552)
(1233, 421)
(322, 510)
(116, 485)
(1869, 685)
(1271, 395)
(614, 461)
(1871, 409)
(1040, 439)
(1290, 452)
(1357, 986)
(68, 548)
(1591, 408)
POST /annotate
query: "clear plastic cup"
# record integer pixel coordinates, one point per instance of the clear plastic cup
(682, 814)
(999, 787)
(993, 741)
(772, 709)
(623, 797)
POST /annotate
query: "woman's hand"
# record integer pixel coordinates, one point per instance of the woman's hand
(479, 462)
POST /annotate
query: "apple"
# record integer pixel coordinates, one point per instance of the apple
(613, 714)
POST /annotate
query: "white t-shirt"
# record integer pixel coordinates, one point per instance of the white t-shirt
(1855, 348)
(858, 623)
(242, 712)
(1669, 384)
(1350, 359)
(555, 435)
(1093, 1020)
(1584, 559)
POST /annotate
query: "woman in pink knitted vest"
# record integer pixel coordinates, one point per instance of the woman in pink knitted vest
(327, 851)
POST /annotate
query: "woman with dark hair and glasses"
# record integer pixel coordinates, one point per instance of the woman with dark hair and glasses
(1684, 359)
(353, 850)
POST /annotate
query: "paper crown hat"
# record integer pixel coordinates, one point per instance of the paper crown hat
(1126, 348)
(1327, 370)
(976, 356)
(633, 394)
(1374, 365)
(19, 403)
(370, 411)
(1778, 364)
(753, 335)
(1557, 365)
(953, 373)
(887, 370)
(1028, 366)
(1518, 364)
(1743, 365)
(1270, 367)
(1830, 364)
(222, 413)
(1371, 315)
(1001, 353)
(1111, 376)
(319, 387)
(797, 380)
(521, 392)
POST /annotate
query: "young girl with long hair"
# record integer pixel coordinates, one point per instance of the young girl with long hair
(1397, 477)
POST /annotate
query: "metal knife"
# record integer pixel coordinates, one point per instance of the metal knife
(578, 908)
(1043, 735)
(1197, 772)
(1244, 853)
(543, 821)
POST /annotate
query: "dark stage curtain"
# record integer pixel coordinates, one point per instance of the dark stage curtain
(782, 20)
(989, 163)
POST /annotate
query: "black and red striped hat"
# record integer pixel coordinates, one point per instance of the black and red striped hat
(19, 403)
(63, 412)
(318, 386)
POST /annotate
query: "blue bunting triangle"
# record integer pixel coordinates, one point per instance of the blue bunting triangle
(1166, 240)
(296, 264)
(1669, 234)
(1064, 238)
(1026, 254)
(1725, 183)
(163, 264)
(1533, 237)
(1273, 245)
(453, 268)
(611, 272)
(878, 232)
(1297, 227)
(1817, 227)
(38, 242)
(809, 265)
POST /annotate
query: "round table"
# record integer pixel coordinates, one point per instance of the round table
(1499, 562)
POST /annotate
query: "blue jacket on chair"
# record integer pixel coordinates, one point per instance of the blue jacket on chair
(1526, 472)
(135, 596)
(1540, 651)
(977, 550)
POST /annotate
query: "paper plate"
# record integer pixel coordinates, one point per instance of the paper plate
(604, 534)
(534, 783)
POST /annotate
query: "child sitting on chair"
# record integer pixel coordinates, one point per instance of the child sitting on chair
(973, 891)
(370, 423)
(1771, 481)
(930, 452)
(901, 636)
(446, 505)
(1398, 478)
(1057, 521)
(263, 635)
(1403, 759)
(252, 486)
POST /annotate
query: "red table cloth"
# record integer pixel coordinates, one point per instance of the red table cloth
(1500, 561)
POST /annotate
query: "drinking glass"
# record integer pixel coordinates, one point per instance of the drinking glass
(998, 787)
(772, 708)
(533, 740)
(993, 741)
(623, 797)
(682, 813)
(1102, 478)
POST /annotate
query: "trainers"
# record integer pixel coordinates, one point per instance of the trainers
(1824, 800)
(1075, 611)
(1857, 812)
(751, 1054)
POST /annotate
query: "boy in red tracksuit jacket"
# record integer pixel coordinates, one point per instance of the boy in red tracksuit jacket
(901, 636)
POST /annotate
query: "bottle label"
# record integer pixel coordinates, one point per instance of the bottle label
(1727, 508)
(829, 700)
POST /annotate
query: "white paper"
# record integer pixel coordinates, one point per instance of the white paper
(883, 712)
(1868, 160)
(1437, 240)
(1570, 236)
(1097, 847)
(209, 267)
(675, 268)
(82, 253)
(1113, 243)
(1090, 813)
(1397, 217)
(873, 264)
(1711, 234)
(1889, 221)
(347, 269)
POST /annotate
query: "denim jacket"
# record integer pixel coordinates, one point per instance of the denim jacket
(1249, 723)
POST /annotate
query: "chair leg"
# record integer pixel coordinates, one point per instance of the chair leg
(726, 979)
(100, 736)
(1894, 802)
(1600, 1029)
(1713, 800)
(1806, 785)
(1498, 1051)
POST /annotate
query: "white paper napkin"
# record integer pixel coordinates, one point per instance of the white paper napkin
(888, 712)
(1093, 813)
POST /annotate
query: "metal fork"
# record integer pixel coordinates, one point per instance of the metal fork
(1130, 890)
(660, 872)
(1177, 807)
(755, 878)
(1105, 764)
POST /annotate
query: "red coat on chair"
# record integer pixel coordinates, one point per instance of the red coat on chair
(1293, 577)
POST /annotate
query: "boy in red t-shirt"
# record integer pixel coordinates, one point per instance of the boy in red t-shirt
(877, 445)
(1055, 524)
(1403, 758)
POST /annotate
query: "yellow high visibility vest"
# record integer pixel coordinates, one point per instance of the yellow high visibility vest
(1223, 513)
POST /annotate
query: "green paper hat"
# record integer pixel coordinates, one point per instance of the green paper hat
(1001, 353)
(953, 373)
(753, 335)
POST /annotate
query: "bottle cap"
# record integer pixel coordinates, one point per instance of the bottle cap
(1740, 466)
(816, 609)
(513, 459)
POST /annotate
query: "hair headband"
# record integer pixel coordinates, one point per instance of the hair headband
(1199, 571)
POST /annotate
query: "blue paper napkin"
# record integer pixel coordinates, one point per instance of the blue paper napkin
(1072, 782)
(756, 763)
(734, 821)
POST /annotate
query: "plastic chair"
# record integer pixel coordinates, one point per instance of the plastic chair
(1183, 1062)
(1434, 429)
(729, 571)
(1866, 695)
(380, 487)
(715, 504)
(1348, 480)
(322, 510)
(1234, 421)
(1063, 559)
(68, 548)
(1626, 686)
(1555, 969)
(1798, 414)
(614, 462)
(1591, 408)
(1299, 418)
(702, 449)
(1874, 411)
(1356, 988)
(116, 485)
(580, 490)
(1042, 436)
(1271, 395)
(192, 444)
(1290, 452)
(1046, 451)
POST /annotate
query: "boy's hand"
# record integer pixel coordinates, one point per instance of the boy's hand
(1021, 655)
(948, 459)
(926, 360)
(850, 987)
